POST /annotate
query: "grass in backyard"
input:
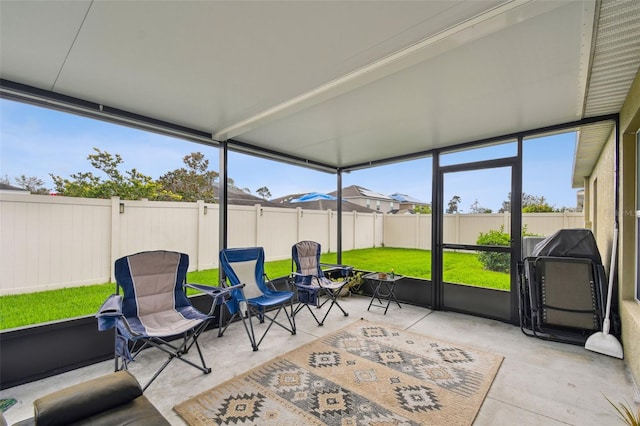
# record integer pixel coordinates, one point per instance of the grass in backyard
(33, 308)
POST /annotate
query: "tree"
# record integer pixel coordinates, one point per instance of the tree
(193, 182)
(453, 204)
(423, 209)
(130, 185)
(33, 184)
(263, 192)
(476, 208)
(530, 204)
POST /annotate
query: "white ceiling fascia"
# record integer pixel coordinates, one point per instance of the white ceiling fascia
(588, 28)
(492, 21)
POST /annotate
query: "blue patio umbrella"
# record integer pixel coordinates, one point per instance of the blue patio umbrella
(313, 196)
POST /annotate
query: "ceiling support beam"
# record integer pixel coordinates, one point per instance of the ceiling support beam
(44, 98)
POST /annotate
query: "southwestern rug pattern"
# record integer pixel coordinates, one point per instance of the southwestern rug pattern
(363, 374)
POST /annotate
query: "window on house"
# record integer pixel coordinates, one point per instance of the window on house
(378, 205)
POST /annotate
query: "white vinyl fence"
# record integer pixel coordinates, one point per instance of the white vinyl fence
(53, 242)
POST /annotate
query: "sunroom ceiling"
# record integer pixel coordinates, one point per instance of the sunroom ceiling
(335, 83)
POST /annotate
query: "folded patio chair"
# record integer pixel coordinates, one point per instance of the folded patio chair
(153, 309)
(313, 279)
(563, 299)
(258, 298)
(561, 284)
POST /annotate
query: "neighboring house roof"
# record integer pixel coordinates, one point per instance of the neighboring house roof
(6, 187)
(9, 187)
(287, 198)
(240, 198)
(318, 201)
(355, 191)
(404, 198)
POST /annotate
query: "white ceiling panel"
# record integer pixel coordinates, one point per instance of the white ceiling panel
(35, 38)
(336, 82)
(209, 64)
(515, 78)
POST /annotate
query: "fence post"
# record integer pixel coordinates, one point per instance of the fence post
(115, 234)
(298, 222)
(375, 220)
(355, 227)
(258, 212)
(329, 215)
(200, 239)
(416, 242)
(506, 223)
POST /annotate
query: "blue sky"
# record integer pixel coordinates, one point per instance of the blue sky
(36, 141)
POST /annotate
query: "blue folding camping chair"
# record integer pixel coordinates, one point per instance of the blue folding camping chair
(314, 279)
(258, 298)
(153, 309)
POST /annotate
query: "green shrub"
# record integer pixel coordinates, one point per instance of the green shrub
(493, 261)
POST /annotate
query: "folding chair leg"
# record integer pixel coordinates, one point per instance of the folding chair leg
(175, 352)
(248, 329)
(333, 297)
(272, 320)
(304, 305)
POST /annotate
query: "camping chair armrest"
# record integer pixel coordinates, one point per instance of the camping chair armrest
(112, 307)
(214, 291)
(110, 312)
(219, 294)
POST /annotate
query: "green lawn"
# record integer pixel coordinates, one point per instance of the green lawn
(33, 308)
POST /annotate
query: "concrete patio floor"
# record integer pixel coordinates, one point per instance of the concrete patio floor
(539, 382)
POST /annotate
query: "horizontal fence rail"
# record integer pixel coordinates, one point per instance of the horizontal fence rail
(54, 242)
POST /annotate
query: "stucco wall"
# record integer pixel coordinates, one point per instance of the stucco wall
(629, 307)
(601, 210)
(602, 206)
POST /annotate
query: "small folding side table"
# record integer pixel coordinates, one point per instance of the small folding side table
(384, 289)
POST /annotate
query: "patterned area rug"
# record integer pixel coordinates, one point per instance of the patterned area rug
(364, 374)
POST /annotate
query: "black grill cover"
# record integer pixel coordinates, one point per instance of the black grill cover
(569, 243)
